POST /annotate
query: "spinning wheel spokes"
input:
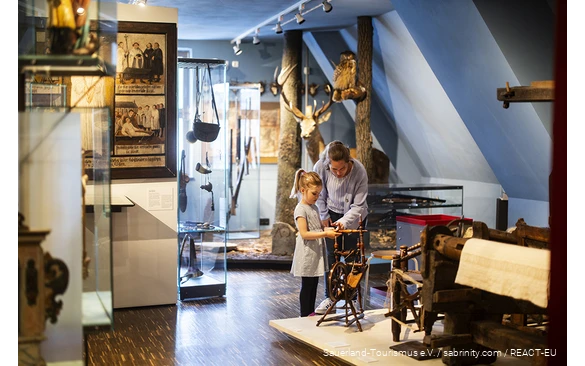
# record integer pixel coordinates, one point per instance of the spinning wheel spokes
(337, 281)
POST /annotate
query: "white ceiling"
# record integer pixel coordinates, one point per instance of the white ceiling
(228, 19)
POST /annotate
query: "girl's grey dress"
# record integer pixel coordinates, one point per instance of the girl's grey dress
(308, 259)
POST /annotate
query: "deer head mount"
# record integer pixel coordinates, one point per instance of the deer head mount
(309, 120)
(262, 87)
(313, 89)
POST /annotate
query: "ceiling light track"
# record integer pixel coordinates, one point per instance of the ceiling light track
(298, 9)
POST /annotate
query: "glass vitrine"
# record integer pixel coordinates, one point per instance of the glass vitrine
(54, 191)
(387, 201)
(244, 179)
(202, 184)
(68, 37)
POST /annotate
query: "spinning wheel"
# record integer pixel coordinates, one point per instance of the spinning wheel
(344, 282)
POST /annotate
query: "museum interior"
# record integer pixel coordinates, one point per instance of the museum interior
(158, 143)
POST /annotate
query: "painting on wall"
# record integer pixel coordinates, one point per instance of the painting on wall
(144, 124)
(269, 132)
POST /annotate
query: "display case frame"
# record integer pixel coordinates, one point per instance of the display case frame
(202, 184)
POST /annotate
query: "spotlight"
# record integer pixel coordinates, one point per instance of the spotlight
(326, 6)
(300, 19)
(237, 49)
(278, 26)
(256, 39)
(138, 2)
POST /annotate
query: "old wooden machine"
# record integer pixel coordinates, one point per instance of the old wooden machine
(344, 281)
(483, 323)
(406, 284)
(41, 278)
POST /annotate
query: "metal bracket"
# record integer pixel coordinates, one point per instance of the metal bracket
(538, 91)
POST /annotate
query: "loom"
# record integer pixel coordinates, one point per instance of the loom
(479, 320)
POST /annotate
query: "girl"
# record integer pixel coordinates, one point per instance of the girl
(308, 262)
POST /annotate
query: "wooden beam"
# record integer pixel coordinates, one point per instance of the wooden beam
(526, 346)
(464, 294)
(538, 91)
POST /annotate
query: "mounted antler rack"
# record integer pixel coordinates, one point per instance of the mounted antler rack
(310, 120)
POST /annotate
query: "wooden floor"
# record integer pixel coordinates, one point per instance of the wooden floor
(231, 330)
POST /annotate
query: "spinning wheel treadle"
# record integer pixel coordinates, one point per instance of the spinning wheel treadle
(344, 282)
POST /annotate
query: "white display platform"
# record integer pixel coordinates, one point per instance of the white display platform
(372, 345)
(93, 311)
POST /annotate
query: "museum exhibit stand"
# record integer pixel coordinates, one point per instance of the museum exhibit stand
(65, 270)
(203, 178)
(244, 178)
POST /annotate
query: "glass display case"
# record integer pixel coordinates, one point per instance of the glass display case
(53, 192)
(54, 37)
(97, 251)
(386, 201)
(64, 142)
(244, 179)
(202, 183)
(398, 212)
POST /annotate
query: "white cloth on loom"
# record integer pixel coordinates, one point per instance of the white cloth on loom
(506, 269)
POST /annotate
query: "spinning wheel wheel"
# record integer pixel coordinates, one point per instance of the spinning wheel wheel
(337, 281)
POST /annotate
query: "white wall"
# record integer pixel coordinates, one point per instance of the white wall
(145, 237)
(50, 198)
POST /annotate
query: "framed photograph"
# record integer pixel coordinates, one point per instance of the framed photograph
(144, 122)
(269, 132)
